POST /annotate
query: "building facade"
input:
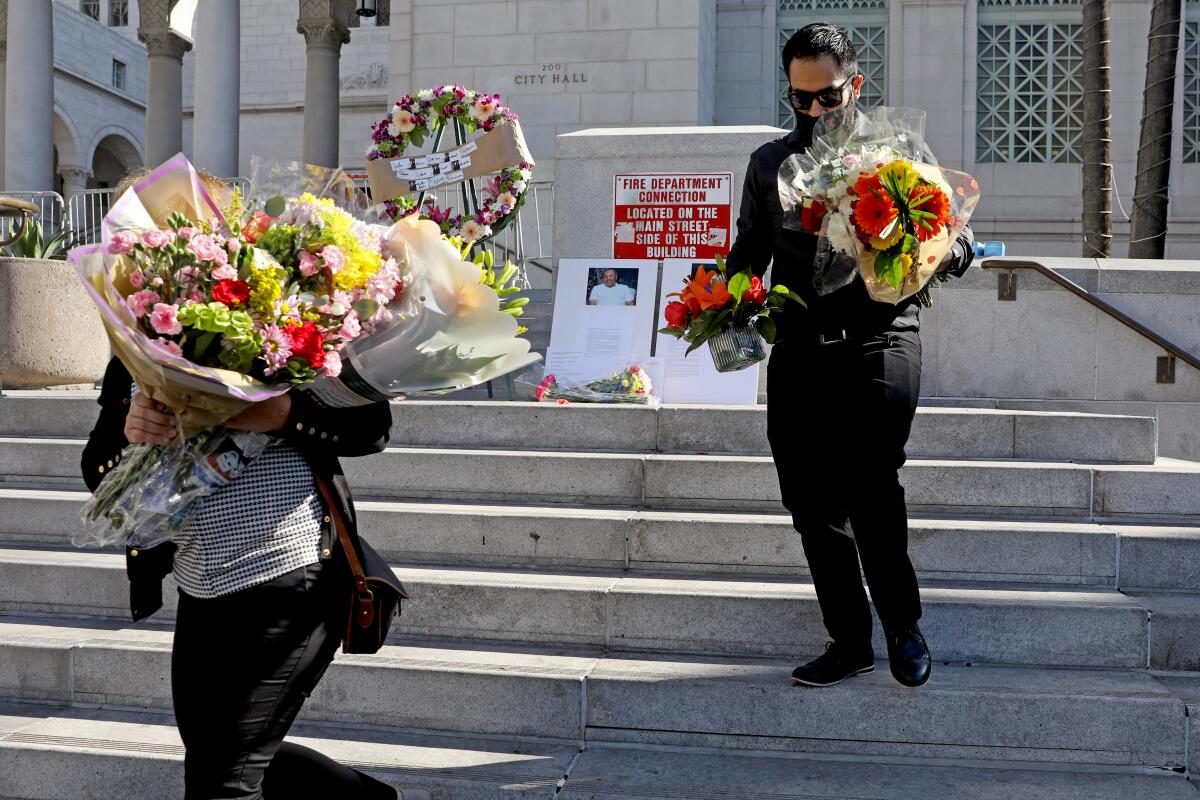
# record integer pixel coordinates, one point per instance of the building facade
(1000, 79)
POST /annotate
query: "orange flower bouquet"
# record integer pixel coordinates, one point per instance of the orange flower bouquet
(884, 209)
(733, 317)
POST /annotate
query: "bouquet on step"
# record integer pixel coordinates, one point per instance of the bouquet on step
(732, 315)
(214, 302)
(628, 385)
(871, 188)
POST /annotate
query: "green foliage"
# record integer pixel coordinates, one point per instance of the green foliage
(32, 244)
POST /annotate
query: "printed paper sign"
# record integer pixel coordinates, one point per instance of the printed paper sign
(603, 316)
(672, 215)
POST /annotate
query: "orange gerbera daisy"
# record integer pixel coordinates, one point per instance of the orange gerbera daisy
(930, 200)
(873, 213)
(868, 184)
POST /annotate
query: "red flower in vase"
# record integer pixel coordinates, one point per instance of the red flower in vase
(757, 293)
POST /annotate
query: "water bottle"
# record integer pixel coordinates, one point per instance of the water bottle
(989, 249)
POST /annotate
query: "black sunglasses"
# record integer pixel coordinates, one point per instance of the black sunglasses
(830, 97)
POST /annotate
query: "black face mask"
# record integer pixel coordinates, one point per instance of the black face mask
(805, 123)
(804, 126)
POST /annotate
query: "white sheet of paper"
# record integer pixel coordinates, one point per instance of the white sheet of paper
(694, 379)
(593, 341)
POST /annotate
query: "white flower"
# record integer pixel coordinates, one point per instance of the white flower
(519, 186)
(472, 231)
(424, 94)
(846, 206)
(838, 233)
(525, 174)
(402, 122)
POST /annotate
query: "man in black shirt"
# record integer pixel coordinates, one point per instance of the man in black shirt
(842, 388)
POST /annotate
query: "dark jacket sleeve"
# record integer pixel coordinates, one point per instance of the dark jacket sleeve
(339, 432)
(962, 253)
(107, 439)
(752, 246)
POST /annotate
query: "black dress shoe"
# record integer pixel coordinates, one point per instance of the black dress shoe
(834, 666)
(909, 656)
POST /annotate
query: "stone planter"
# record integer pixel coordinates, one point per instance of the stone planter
(50, 331)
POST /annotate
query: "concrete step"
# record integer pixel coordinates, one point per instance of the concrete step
(937, 432)
(49, 752)
(1112, 717)
(1050, 551)
(1167, 489)
(996, 624)
(645, 773)
(52, 752)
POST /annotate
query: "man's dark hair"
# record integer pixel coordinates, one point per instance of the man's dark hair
(822, 39)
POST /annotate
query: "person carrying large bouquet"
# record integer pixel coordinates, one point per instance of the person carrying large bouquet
(842, 388)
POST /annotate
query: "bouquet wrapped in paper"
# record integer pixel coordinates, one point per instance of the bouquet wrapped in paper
(629, 385)
(883, 207)
(215, 303)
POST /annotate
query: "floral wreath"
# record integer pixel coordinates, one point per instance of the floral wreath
(413, 119)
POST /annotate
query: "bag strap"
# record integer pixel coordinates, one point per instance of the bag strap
(365, 613)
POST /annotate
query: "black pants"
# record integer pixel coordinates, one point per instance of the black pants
(838, 418)
(241, 668)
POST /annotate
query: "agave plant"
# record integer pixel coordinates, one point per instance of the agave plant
(32, 244)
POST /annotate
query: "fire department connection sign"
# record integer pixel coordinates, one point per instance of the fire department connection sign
(677, 215)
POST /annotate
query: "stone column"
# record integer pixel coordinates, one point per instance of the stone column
(28, 110)
(164, 90)
(75, 180)
(215, 130)
(325, 32)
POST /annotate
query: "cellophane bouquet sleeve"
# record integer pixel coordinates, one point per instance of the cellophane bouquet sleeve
(871, 188)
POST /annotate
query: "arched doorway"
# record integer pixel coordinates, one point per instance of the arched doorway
(114, 158)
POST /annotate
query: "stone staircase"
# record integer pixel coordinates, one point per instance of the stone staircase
(591, 618)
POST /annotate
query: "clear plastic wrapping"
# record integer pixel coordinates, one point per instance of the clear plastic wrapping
(874, 192)
(630, 385)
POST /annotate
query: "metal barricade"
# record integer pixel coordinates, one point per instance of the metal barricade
(52, 213)
(87, 212)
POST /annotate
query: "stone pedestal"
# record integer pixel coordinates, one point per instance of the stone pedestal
(215, 132)
(28, 116)
(50, 327)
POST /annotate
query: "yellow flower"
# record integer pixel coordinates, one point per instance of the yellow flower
(266, 285)
(906, 262)
(899, 174)
(891, 240)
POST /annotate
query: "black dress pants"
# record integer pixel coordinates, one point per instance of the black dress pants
(242, 666)
(838, 418)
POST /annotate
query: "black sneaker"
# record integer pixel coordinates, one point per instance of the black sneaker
(909, 656)
(833, 666)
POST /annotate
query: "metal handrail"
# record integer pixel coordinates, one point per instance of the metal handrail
(1120, 316)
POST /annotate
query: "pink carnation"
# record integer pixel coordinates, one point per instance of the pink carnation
(156, 281)
(233, 245)
(122, 242)
(196, 297)
(171, 347)
(224, 273)
(156, 239)
(137, 280)
(187, 233)
(309, 264)
(333, 258)
(333, 364)
(165, 319)
(351, 326)
(187, 274)
(140, 302)
(206, 248)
